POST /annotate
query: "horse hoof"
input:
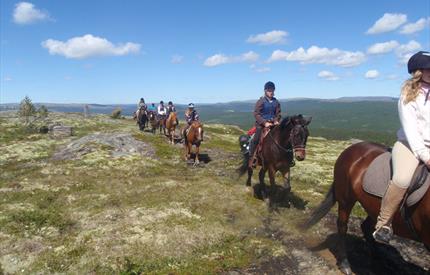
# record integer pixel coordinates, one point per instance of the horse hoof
(345, 268)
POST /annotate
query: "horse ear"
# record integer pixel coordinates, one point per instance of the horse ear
(308, 120)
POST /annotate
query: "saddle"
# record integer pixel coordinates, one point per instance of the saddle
(258, 152)
(379, 173)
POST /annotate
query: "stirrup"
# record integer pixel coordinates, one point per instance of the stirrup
(383, 234)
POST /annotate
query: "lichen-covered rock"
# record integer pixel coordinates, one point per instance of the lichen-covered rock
(62, 131)
(119, 145)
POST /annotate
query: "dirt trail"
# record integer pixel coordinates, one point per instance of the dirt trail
(316, 254)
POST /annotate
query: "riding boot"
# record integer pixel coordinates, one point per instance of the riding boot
(253, 147)
(389, 206)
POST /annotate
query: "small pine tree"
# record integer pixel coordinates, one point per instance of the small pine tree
(42, 111)
(26, 110)
(116, 113)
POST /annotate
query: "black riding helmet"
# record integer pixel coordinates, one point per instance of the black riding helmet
(269, 85)
(420, 60)
(161, 102)
(170, 103)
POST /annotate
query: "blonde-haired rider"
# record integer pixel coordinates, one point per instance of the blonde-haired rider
(413, 141)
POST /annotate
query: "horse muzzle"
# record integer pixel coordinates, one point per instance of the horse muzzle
(300, 154)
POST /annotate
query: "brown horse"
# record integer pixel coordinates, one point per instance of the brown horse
(278, 149)
(155, 122)
(347, 189)
(171, 124)
(194, 136)
(141, 117)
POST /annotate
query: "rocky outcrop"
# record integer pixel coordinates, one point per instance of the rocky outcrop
(119, 144)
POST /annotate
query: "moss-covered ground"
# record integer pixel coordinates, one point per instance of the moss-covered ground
(137, 214)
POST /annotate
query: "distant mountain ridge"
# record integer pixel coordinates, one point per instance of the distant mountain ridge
(54, 106)
(366, 118)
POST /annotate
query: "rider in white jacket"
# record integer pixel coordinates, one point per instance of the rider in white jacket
(413, 141)
(161, 110)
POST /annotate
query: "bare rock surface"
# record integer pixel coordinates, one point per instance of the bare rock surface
(120, 144)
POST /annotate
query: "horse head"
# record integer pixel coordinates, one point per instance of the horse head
(172, 118)
(151, 116)
(296, 134)
(197, 131)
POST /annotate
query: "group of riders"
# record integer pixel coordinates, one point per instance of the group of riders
(162, 112)
(412, 147)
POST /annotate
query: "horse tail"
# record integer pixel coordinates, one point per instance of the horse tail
(322, 209)
(244, 166)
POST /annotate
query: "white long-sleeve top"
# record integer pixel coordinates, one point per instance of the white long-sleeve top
(161, 110)
(415, 121)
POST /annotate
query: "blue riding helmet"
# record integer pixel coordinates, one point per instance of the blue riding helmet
(269, 85)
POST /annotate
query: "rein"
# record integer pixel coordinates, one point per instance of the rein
(298, 147)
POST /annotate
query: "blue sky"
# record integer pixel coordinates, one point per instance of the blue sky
(206, 51)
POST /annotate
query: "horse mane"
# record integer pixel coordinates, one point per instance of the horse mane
(286, 121)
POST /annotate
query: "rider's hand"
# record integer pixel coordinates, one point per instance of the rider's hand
(276, 123)
(428, 164)
(267, 124)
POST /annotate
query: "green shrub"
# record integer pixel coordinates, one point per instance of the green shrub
(116, 113)
(26, 110)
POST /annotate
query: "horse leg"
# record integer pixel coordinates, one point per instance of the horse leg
(344, 211)
(272, 173)
(261, 175)
(286, 174)
(185, 150)
(248, 181)
(196, 160)
(367, 227)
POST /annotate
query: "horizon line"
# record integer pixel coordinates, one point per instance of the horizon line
(206, 103)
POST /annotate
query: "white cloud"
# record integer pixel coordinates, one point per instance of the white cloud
(385, 47)
(26, 13)
(88, 46)
(272, 37)
(415, 27)
(388, 22)
(7, 78)
(260, 70)
(371, 74)
(328, 75)
(216, 60)
(220, 59)
(320, 55)
(405, 51)
(248, 57)
(177, 59)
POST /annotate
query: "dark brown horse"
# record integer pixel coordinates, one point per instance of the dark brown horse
(194, 136)
(278, 149)
(171, 124)
(141, 118)
(347, 189)
(155, 122)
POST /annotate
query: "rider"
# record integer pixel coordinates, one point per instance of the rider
(171, 108)
(141, 103)
(152, 108)
(190, 116)
(267, 113)
(413, 141)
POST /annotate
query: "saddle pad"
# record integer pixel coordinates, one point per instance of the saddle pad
(378, 175)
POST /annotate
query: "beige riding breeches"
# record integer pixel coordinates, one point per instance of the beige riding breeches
(404, 164)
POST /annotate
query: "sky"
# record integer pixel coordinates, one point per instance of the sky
(115, 52)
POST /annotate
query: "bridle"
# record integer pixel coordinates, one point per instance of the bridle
(294, 148)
